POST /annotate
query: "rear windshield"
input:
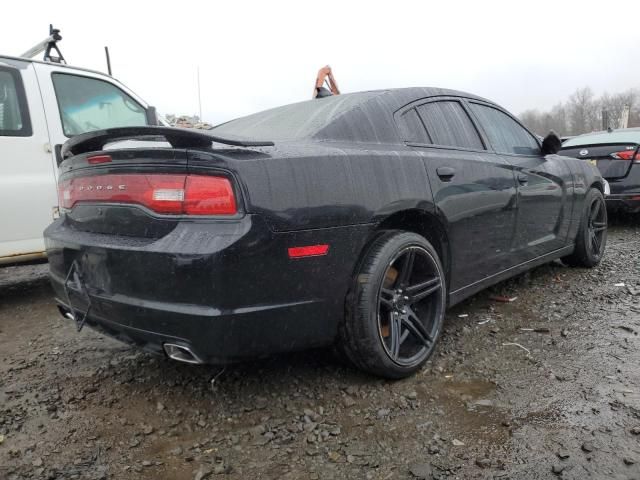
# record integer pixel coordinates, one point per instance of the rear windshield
(295, 121)
(623, 136)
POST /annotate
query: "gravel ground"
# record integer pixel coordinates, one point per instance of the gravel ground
(545, 386)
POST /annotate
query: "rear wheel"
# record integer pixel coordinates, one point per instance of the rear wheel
(592, 234)
(396, 306)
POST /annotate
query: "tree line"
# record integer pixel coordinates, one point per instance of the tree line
(583, 112)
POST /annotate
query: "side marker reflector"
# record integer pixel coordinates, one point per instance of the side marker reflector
(309, 251)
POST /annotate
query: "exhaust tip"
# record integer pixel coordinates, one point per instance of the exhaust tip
(181, 353)
(66, 313)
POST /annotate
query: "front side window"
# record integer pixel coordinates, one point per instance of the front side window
(505, 134)
(14, 116)
(88, 104)
(449, 124)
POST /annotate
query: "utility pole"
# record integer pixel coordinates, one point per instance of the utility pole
(605, 120)
(624, 117)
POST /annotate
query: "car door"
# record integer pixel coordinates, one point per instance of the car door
(78, 101)
(473, 189)
(544, 206)
(28, 195)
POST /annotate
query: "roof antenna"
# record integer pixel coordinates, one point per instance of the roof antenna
(106, 52)
(46, 46)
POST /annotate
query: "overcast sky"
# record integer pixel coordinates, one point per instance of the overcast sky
(256, 55)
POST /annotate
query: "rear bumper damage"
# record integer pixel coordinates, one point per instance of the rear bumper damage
(220, 291)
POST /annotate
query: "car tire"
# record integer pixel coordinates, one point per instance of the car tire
(591, 239)
(395, 307)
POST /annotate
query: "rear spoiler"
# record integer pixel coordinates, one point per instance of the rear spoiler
(177, 137)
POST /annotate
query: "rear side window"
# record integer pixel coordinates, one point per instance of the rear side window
(505, 134)
(449, 124)
(88, 104)
(14, 116)
(412, 128)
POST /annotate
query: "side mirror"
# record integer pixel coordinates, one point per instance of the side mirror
(152, 116)
(58, 153)
(551, 144)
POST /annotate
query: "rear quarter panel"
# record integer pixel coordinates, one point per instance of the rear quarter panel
(319, 185)
(319, 193)
(585, 175)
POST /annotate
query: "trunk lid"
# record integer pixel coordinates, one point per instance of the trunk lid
(91, 194)
(145, 191)
(601, 156)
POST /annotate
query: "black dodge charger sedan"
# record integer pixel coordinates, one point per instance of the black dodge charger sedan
(352, 220)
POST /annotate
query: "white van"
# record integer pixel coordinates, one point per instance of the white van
(42, 104)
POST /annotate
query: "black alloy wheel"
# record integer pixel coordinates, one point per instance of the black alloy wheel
(597, 225)
(396, 307)
(591, 239)
(407, 306)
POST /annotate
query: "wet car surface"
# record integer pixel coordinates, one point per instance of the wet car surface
(543, 386)
(354, 221)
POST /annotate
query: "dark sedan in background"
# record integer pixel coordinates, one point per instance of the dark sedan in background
(354, 219)
(616, 153)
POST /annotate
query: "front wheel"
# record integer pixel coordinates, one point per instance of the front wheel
(592, 233)
(396, 307)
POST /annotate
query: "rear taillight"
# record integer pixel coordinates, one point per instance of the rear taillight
(209, 196)
(97, 159)
(162, 193)
(627, 155)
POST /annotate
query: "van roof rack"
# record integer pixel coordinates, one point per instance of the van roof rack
(47, 46)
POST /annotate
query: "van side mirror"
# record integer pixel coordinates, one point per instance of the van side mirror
(551, 144)
(152, 116)
(57, 150)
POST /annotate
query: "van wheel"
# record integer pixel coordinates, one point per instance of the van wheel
(591, 239)
(396, 306)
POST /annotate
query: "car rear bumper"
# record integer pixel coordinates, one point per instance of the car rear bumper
(626, 202)
(225, 290)
(213, 336)
(625, 192)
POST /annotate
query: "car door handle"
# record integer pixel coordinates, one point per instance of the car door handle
(446, 173)
(523, 179)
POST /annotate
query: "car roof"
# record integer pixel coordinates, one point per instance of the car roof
(402, 96)
(349, 117)
(72, 68)
(621, 135)
(53, 64)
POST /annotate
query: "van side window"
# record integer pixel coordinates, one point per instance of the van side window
(448, 124)
(505, 134)
(411, 127)
(88, 104)
(14, 115)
